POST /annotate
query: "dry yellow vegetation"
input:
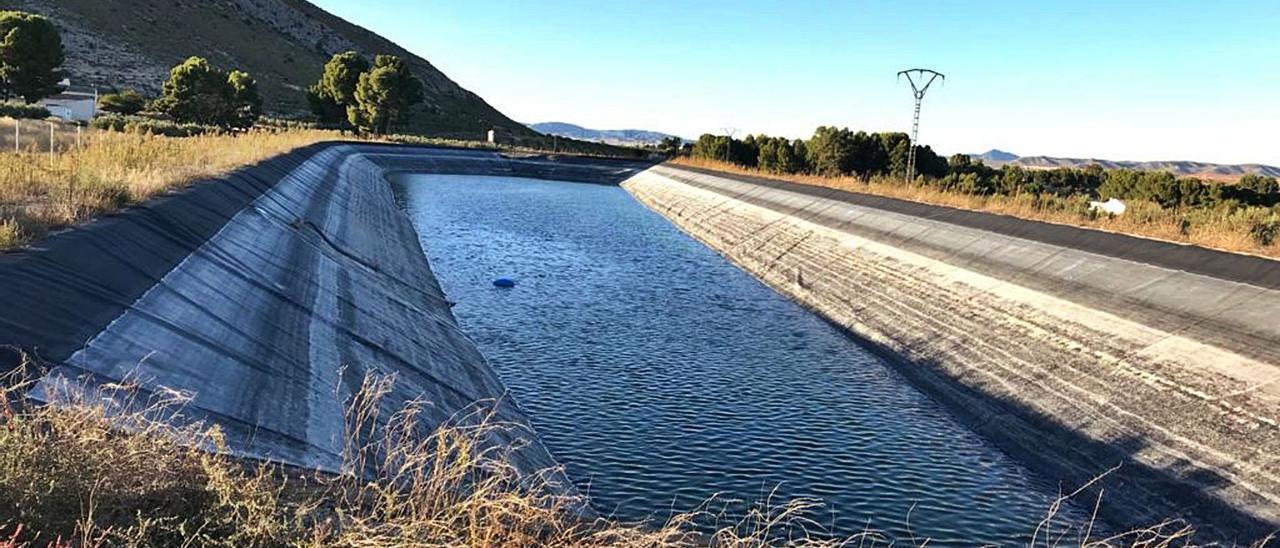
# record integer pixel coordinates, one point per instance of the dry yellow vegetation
(40, 191)
(100, 468)
(1227, 230)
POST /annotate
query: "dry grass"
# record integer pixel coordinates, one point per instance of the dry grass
(40, 191)
(102, 468)
(1214, 228)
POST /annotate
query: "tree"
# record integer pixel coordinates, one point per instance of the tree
(711, 147)
(342, 75)
(1193, 192)
(867, 157)
(30, 56)
(330, 97)
(199, 93)
(1118, 183)
(1259, 190)
(245, 102)
(895, 146)
(670, 146)
(745, 152)
(383, 95)
(774, 154)
(929, 164)
(800, 153)
(830, 151)
(1160, 187)
(326, 110)
(777, 155)
(196, 92)
(124, 102)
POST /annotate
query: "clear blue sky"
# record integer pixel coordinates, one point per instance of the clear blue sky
(1110, 79)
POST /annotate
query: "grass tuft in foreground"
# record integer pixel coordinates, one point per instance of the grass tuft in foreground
(100, 469)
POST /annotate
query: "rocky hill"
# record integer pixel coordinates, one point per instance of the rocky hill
(283, 43)
(1204, 170)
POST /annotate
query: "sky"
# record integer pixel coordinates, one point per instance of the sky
(1116, 79)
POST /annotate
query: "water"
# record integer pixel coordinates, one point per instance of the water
(662, 375)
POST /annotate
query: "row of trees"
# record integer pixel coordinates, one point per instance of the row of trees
(195, 93)
(351, 93)
(833, 151)
(1160, 187)
(31, 57)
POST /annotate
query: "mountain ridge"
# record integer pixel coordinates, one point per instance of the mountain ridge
(608, 136)
(1182, 168)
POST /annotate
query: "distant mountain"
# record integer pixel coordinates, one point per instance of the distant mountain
(611, 136)
(995, 156)
(1204, 170)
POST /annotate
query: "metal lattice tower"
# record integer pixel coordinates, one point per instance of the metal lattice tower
(729, 132)
(918, 91)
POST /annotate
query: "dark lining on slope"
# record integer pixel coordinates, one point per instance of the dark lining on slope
(61, 291)
(71, 285)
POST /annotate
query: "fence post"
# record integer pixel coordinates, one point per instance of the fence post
(17, 124)
(50, 144)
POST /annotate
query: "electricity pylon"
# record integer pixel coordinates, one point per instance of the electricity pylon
(729, 132)
(918, 91)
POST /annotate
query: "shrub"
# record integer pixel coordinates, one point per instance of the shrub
(126, 102)
(22, 110)
(166, 128)
(148, 126)
(109, 122)
(1264, 232)
(10, 233)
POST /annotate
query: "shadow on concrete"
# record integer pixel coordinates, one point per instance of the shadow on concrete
(1134, 495)
(1252, 340)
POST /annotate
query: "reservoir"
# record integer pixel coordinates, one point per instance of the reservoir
(662, 376)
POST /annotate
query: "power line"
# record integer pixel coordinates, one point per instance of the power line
(918, 91)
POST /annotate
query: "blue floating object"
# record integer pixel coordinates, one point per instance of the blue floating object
(504, 282)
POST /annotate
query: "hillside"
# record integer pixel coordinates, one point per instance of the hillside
(283, 43)
(628, 137)
(995, 157)
(1204, 170)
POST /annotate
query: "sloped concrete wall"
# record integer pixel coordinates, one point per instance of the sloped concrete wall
(265, 297)
(1048, 350)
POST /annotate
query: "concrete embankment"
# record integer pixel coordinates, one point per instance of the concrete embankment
(265, 297)
(1073, 350)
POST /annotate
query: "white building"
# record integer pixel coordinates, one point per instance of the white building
(73, 104)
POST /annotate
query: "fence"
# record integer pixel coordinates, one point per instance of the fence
(23, 135)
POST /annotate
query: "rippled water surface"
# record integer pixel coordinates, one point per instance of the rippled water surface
(661, 375)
